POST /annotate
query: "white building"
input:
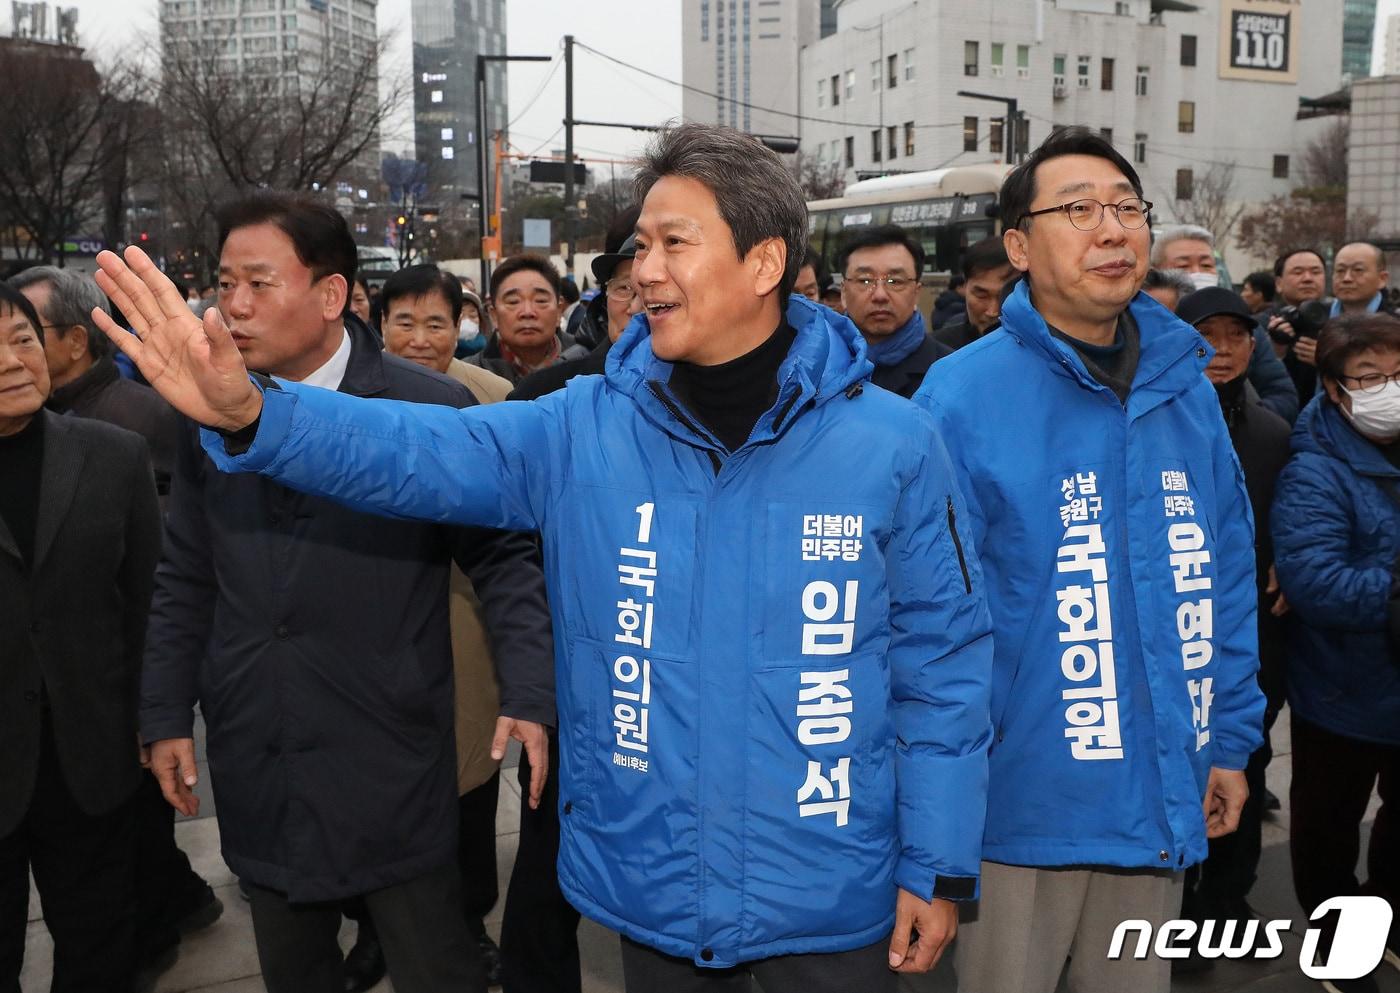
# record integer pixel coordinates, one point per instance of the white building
(292, 37)
(880, 95)
(1392, 46)
(1373, 183)
(743, 55)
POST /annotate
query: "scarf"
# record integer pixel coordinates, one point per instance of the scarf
(895, 348)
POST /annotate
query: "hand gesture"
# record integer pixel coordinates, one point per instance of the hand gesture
(921, 932)
(195, 365)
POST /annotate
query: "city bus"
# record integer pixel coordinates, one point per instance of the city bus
(945, 210)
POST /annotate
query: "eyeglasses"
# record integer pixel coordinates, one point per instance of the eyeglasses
(1087, 214)
(621, 291)
(1373, 382)
(894, 284)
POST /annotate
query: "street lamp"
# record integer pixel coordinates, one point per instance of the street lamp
(481, 123)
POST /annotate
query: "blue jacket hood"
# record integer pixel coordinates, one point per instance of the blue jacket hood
(1324, 430)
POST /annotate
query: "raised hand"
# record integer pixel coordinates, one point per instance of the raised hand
(195, 365)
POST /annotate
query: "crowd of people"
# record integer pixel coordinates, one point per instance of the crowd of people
(834, 638)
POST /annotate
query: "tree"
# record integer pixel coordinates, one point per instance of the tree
(73, 129)
(1212, 204)
(1325, 158)
(1307, 216)
(819, 180)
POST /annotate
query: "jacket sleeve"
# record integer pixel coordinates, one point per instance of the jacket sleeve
(1313, 540)
(483, 466)
(182, 607)
(1270, 378)
(137, 573)
(1237, 716)
(941, 663)
(504, 567)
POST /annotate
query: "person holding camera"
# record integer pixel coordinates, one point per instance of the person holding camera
(1336, 532)
(1298, 314)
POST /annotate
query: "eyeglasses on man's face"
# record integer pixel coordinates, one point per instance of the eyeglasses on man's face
(621, 290)
(1087, 214)
(892, 284)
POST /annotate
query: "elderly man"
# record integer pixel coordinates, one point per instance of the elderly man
(1190, 250)
(527, 302)
(79, 539)
(880, 288)
(1359, 280)
(1301, 275)
(1114, 532)
(986, 271)
(773, 717)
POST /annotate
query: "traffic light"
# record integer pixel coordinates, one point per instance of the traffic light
(402, 220)
(145, 236)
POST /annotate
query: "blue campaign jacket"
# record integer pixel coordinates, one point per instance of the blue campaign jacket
(1078, 506)
(1336, 537)
(813, 703)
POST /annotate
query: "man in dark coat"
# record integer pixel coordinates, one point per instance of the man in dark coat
(316, 640)
(85, 379)
(527, 302)
(986, 271)
(880, 289)
(79, 539)
(1260, 439)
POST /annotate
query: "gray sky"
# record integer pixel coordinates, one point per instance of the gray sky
(602, 91)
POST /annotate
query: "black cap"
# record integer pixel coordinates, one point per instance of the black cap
(605, 265)
(1213, 301)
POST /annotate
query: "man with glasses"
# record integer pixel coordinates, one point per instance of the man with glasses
(527, 301)
(1359, 280)
(1113, 527)
(882, 266)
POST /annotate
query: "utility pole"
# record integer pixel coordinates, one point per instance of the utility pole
(569, 155)
(482, 112)
(1010, 131)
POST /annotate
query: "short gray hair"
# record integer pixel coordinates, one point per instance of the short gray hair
(72, 297)
(756, 194)
(1172, 279)
(1179, 232)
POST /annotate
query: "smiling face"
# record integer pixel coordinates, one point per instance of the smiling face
(703, 302)
(284, 320)
(1303, 278)
(1079, 277)
(24, 373)
(421, 330)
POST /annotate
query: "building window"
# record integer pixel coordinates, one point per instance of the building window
(1106, 74)
(836, 91)
(892, 141)
(875, 145)
(1280, 166)
(1188, 49)
(850, 84)
(1123, 9)
(1023, 61)
(998, 60)
(908, 64)
(1139, 148)
(1084, 61)
(447, 151)
(1140, 87)
(970, 58)
(1186, 117)
(1059, 71)
(995, 135)
(836, 150)
(969, 134)
(908, 138)
(1184, 182)
(875, 76)
(435, 96)
(850, 153)
(448, 134)
(892, 67)
(821, 93)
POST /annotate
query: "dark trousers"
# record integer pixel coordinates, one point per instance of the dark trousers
(863, 970)
(166, 887)
(539, 935)
(1332, 781)
(1217, 888)
(85, 869)
(426, 944)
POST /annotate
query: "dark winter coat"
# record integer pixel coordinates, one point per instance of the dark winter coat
(906, 376)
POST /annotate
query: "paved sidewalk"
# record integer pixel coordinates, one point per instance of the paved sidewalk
(222, 959)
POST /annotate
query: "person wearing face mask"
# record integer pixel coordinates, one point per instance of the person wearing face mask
(1336, 530)
(1190, 249)
(1219, 889)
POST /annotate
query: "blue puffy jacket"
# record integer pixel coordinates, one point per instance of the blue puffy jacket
(1336, 536)
(772, 665)
(1119, 555)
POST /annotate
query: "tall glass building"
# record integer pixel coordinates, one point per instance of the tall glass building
(447, 37)
(1358, 29)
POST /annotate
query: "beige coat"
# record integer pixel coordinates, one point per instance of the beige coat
(478, 701)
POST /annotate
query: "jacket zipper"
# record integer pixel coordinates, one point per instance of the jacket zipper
(957, 543)
(676, 412)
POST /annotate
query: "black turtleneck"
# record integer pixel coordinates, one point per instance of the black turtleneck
(21, 463)
(731, 397)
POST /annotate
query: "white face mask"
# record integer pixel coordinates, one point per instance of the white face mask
(1201, 280)
(1376, 415)
(468, 329)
